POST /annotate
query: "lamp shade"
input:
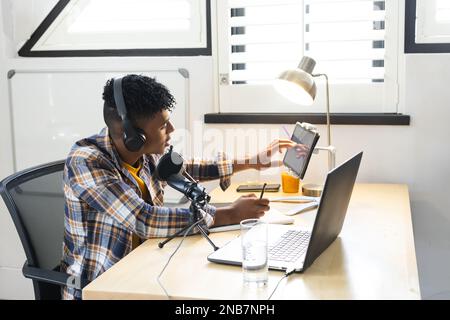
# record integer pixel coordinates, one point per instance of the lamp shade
(298, 84)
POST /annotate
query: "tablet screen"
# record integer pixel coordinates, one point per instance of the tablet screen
(302, 136)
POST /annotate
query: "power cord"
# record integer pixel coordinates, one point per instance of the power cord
(175, 251)
(288, 272)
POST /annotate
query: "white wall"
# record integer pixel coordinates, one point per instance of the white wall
(12, 283)
(428, 101)
(416, 155)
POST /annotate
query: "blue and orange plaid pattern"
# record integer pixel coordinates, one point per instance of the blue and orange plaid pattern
(104, 206)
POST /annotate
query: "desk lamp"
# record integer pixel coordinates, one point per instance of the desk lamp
(298, 86)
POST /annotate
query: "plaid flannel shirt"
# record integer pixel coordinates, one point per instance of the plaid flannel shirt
(104, 206)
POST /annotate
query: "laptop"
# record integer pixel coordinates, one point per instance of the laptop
(293, 248)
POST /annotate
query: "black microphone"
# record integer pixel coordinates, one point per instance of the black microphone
(169, 169)
(169, 164)
(190, 189)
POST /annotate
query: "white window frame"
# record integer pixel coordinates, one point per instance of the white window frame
(52, 37)
(428, 29)
(247, 98)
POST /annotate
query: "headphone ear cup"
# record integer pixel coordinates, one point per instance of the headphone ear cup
(141, 134)
(134, 139)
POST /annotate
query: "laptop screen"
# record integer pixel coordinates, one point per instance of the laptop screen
(333, 207)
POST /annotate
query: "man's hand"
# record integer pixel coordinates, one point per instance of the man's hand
(246, 207)
(263, 158)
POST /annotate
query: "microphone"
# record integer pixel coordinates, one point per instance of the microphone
(169, 169)
(169, 164)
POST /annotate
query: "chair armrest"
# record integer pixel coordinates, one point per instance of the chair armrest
(54, 277)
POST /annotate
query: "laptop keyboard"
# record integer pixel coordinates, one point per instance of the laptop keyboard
(290, 246)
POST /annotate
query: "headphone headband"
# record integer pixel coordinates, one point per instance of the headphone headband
(118, 98)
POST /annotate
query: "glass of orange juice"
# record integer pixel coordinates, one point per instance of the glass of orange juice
(289, 182)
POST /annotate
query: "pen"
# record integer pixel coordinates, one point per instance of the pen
(287, 132)
(262, 191)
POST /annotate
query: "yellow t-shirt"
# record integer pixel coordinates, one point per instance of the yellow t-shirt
(135, 173)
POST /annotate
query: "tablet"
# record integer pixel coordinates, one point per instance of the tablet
(306, 137)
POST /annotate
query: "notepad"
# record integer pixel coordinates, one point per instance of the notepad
(295, 198)
(302, 208)
(276, 217)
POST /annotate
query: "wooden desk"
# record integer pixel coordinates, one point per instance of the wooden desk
(373, 258)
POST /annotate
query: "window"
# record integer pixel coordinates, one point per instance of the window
(355, 42)
(433, 21)
(427, 26)
(108, 27)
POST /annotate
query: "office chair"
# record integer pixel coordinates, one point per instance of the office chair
(35, 200)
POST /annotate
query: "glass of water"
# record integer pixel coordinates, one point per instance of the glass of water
(254, 240)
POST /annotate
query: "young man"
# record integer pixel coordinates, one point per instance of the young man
(112, 194)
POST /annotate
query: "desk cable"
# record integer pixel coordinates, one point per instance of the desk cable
(286, 274)
(175, 251)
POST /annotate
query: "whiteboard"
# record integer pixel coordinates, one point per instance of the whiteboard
(51, 110)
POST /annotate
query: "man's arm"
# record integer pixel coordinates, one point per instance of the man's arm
(102, 190)
(264, 158)
(246, 207)
(222, 168)
(219, 168)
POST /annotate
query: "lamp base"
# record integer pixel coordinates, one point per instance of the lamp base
(312, 190)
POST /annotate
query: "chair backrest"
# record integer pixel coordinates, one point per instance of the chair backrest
(35, 200)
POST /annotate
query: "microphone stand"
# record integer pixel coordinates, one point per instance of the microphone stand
(195, 208)
(198, 201)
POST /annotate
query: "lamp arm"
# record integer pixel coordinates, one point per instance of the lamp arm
(328, 105)
(331, 150)
(331, 155)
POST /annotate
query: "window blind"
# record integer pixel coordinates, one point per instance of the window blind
(345, 37)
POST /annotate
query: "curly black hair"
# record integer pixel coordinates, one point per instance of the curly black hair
(144, 97)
